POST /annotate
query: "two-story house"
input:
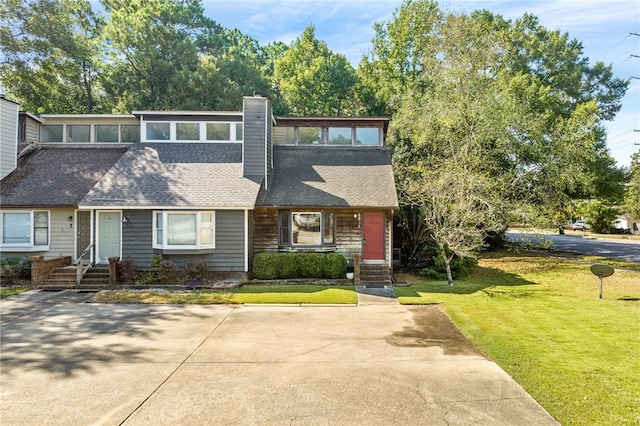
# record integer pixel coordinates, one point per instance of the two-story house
(220, 186)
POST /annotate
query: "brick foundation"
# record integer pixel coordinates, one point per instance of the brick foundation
(41, 268)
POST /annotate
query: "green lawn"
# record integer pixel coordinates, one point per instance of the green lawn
(541, 320)
(280, 294)
(10, 291)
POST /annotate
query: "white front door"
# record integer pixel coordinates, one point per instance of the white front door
(109, 229)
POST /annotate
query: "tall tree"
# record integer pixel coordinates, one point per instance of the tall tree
(312, 79)
(154, 52)
(487, 93)
(51, 55)
(632, 194)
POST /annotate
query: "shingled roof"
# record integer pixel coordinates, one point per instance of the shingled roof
(331, 177)
(56, 176)
(172, 174)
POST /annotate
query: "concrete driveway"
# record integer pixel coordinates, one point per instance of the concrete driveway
(67, 362)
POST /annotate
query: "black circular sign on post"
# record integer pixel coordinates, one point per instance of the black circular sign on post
(601, 271)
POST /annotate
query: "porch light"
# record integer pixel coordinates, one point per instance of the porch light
(125, 219)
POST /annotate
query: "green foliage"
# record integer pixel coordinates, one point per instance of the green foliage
(599, 215)
(632, 192)
(268, 266)
(155, 260)
(313, 80)
(460, 267)
(51, 55)
(13, 269)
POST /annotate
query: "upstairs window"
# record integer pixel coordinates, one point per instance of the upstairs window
(51, 133)
(79, 133)
(158, 131)
(129, 133)
(107, 133)
(330, 136)
(218, 131)
(188, 131)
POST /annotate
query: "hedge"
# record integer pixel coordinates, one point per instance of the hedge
(271, 266)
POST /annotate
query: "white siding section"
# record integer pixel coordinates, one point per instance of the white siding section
(8, 136)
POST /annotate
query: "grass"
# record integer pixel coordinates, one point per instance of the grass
(541, 320)
(276, 294)
(10, 291)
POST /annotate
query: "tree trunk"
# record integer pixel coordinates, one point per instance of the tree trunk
(447, 262)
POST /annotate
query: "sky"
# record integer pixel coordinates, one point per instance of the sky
(603, 27)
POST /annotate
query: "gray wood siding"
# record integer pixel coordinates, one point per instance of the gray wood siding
(269, 151)
(254, 119)
(348, 232)
(8, 137)
(228, 254)
(136, 237)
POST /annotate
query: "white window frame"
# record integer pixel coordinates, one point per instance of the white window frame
(30, 246)
(165, 234)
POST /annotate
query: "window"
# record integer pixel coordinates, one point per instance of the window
(158, 131)
(183, 230)
(367, 136)
(130, 133)
(310, 136)
(218, 131)
(25, 228)
(188, 131)
(51, 133)
(284, 136)
(335, 136)
(238, 131)
(339, 136)
(299, 228)
(107, 133)
(79, 133)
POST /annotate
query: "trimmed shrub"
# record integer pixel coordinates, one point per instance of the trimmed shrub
(196, 268)
(127, 270)
(15, 268)
(167, 271)
(270, 266)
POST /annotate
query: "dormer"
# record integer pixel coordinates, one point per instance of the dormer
(330, 131)
(190, 126)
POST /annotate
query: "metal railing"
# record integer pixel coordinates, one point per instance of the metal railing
(81, 268)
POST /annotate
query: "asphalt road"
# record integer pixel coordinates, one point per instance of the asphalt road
(574, 242)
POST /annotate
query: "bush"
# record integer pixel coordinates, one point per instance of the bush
(269, 266)
(167, 271)
(127, 270)
(460, 267)
(196, 268)
(15, 268)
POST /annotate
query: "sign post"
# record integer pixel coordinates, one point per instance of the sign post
(601, 271)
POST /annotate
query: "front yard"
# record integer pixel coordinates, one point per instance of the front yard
(541, 320)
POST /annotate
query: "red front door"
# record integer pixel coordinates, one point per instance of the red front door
(373, 235)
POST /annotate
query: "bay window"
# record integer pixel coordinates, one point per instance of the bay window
(27, 229)
(183, 230)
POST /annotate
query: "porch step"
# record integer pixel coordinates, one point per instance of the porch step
(61, 278)
(96, 277)
(375, 274)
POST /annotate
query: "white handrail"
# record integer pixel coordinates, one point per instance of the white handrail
(81, 269)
